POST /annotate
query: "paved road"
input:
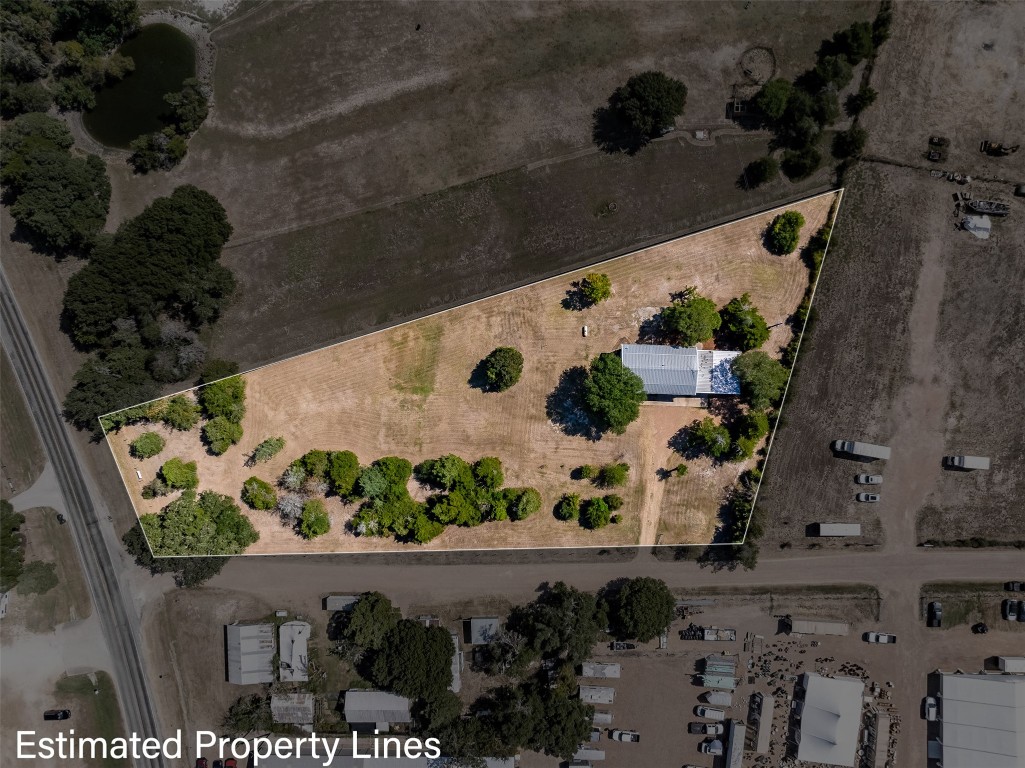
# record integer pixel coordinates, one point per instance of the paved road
(120, 628)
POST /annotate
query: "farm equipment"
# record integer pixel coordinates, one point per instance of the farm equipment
(997, 150)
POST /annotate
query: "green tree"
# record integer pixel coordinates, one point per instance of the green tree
(248, 713)
(259, 494)
(588, 472)
(315, 521)
(370, 620)
(316, 464)
(742, 324)
(850, 143)
(761, 378)
(612, 393)
(691, 320)
(179, 474)
(146, 445)
(835, 71)
(226, 398)
(855, 42)
(12, 546)
(649, 103)
(773, 97)
(614, 501)
(522, 502)
(502, 368)
(216, 369)
(188, 106)
(858, 102)
(109, 381)
(561, 622)
(785, 231)
(343, 472)
(708, 436)
(642, 608)
(487, 471)
(800, 164)
(220, 434)
(188, 571)
(268, 449)
(760, 171)
(612, 475)
(568, 507)
(180, 413)
(414, 660)
(208, 525)
(595, 513)
(596, 287)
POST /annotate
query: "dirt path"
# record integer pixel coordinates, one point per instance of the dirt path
(917, 420)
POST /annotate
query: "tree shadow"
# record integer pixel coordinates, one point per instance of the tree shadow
(478, 377)
(680, 443)
(565, 406)
(613, 135)
(575, 301)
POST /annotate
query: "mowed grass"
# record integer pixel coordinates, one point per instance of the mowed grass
(20, 449)
(49, 541)
(94, 710)
(404, 391)
(969, 603)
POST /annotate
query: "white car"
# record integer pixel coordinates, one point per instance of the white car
(710, 713)
(870, 497)
(880, 637)
(932, 708)
(618, 735)
(869, 479)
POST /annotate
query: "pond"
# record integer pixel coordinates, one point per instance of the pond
(164, 58)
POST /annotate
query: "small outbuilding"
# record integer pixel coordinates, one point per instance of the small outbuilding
(292, 708)
(598, 669)
(340, 602)
(482, 629)
(816, 627)
(294, 655)
(596, 694)
(377, 708)
(251, 650)
(838, 529)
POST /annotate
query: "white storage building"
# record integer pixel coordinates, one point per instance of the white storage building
(251, 650)
(830, 718)
(982, 722)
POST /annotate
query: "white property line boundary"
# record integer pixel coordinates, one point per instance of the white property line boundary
(560, 276)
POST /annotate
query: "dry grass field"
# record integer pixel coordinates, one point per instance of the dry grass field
(21, 455)
(404, 392)
(918, 341)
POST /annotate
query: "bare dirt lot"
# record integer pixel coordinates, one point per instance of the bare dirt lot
(915, 343)
(404, 392)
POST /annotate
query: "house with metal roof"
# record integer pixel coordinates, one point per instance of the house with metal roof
(982, 721)
(293, 640)
(681, 371)
(340, 602)
(597, 694)
(599, 669)
(377, 708)
(735, 736)
(251, 650)
(829, 719)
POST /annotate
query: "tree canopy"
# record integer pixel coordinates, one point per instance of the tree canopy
(561, 622)
(613, 393)
(642, 608)
(743, 327)
(761, 378)
(785, 231)
(179, 474)
(649, 102)
(210, 524)
(596, 287)
(760, 171)
(414, 660)
(502, 368)
(259, 494)
(370, 620)
(690, 320)
(12, 546)
(146, 445)
(708, 436)
(315, 521)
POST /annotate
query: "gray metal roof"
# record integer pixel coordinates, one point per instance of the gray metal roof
(983, 720)
(294, 708)
(830, 720)
(682, 371)
(483, 629)
(376, 707)
(251, 650)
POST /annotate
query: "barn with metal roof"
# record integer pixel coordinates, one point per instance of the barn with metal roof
(830, 718)
(982, 721)
(251, 650)
(681, 371)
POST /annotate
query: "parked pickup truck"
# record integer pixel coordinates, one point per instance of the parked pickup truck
(618, 735)
(710, 729)
(966, 462)
(880, 637)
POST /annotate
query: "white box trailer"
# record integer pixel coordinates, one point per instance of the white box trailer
(966, 462)
(838, 529)
(602, 718)
(865, 450)
(594, 755)
(817, 627)
(1014, 664)
(597, 694)
(718, 698)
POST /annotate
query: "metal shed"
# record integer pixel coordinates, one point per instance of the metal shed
(596, 694)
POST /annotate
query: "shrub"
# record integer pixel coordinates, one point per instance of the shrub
(424, 529)
(588, 472)
(760, 171)
(220, 434)
(316, 464)
(294, 477)
(154, 488)
(858, 102)
(502, 368)
(523, 502)
(268, 449)
(179, 474)
(681, 470)
(785, 231)
(850, 143)
(742, 324)
(146, 445)
(710, 437)
(180, 413)
(612, 475)
(226, 398)
(800, 164)
(596, 287)
(37, 578)
(773, 97)
(595, 513)
(613, 501)
(343, 472)
(259, 494)
(315, 521)
(487, 471)
(568, 507)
